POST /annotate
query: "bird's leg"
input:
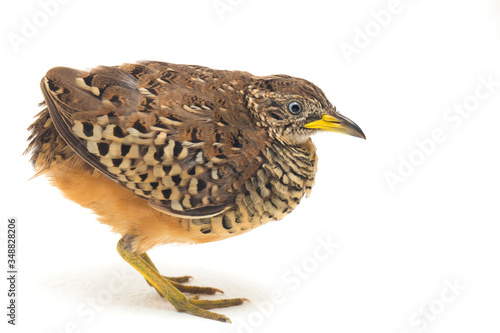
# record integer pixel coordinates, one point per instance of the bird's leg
(176, 281)
(196, 307)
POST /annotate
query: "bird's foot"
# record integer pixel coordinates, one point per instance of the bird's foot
(195, 301)
(174, 290)
(194, 304)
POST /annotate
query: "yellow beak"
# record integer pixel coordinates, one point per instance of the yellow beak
(337, 123)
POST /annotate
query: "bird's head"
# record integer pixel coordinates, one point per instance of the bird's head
(293, 109)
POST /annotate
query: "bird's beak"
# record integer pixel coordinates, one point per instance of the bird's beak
(337, 123)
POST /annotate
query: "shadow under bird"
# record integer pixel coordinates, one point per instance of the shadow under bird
(166, 153)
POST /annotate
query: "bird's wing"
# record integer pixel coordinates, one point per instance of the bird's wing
(164, 131)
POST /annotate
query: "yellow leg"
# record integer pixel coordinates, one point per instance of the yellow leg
(172, 294)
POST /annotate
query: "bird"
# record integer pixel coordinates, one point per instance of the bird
(167, 153)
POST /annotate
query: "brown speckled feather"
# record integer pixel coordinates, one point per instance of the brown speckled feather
(179, 153)
(162, 131)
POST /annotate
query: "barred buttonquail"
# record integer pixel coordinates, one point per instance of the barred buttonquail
(167, 153)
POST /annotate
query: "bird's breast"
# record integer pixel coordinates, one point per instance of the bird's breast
(277, 187)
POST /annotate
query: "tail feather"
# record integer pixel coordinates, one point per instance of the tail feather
(45, 144)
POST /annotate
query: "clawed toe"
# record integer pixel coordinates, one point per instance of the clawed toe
(218, 303)
(179, 279)
(195, 289)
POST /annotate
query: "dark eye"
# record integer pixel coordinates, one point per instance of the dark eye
(294, 107)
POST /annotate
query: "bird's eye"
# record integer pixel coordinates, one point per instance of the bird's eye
(294, 107)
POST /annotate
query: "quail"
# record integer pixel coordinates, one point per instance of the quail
(166, 153)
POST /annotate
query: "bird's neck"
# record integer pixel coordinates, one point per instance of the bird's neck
(298, 163)
(304, 150)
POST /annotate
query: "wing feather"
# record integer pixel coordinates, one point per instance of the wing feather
(161, 130)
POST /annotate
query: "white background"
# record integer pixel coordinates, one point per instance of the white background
(400, 248)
